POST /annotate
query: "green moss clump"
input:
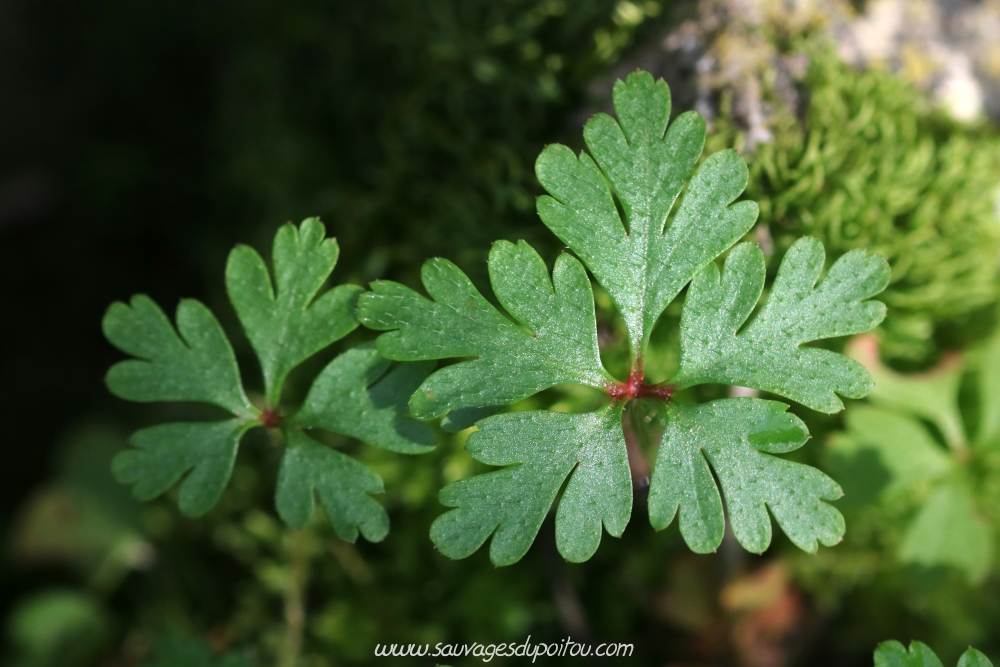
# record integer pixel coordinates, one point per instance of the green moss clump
(872, 165)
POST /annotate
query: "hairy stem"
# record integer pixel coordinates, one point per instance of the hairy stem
(295, 613)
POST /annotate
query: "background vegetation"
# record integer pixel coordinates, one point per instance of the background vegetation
(139, 142)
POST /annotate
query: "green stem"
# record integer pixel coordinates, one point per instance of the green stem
(295, 613)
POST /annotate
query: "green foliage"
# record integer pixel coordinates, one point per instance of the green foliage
(872, 165)
(940, 472)
(643, 261)
(57, 628)
(175, 650)
(894, 654)
(287, 321)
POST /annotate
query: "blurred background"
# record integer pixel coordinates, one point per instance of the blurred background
(140, 141)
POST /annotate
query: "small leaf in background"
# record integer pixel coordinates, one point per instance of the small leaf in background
(989, 393)
(894, 654)
(58, 628)
(948, 530)
(932, 395)
(935, 479)
(909, 453)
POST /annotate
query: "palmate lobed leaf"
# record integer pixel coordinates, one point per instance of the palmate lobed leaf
(194, 363)
(164, 453)
(677, 220)
(357, 394)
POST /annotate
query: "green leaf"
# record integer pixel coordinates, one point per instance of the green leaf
(288, 325)
(646, 166)
(948, 530)
(903, 445)
(358, 394)
(932, 395)
(734, 438)
(989, 393)
(894, 654)
(974, 658)
(543, 449)
(355, 396)
(343, 485)
(197, 365)
(766, 353)
(164, 453)
(557, 343)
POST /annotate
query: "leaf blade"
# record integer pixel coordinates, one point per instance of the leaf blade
(344, 487)
(766, 354)
(286, 320)
(645, 164)
(162, 455)
(357, 396)
(543, 449)
(195, 362)
(733, 438)
(511, 363)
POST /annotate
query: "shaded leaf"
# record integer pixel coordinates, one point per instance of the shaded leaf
(162, 454)
(287, 321)
(989, 393)
(949, 530)
(355, 396)
(932, 395)
(196, 365)
(343, 485)
(903, 445)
